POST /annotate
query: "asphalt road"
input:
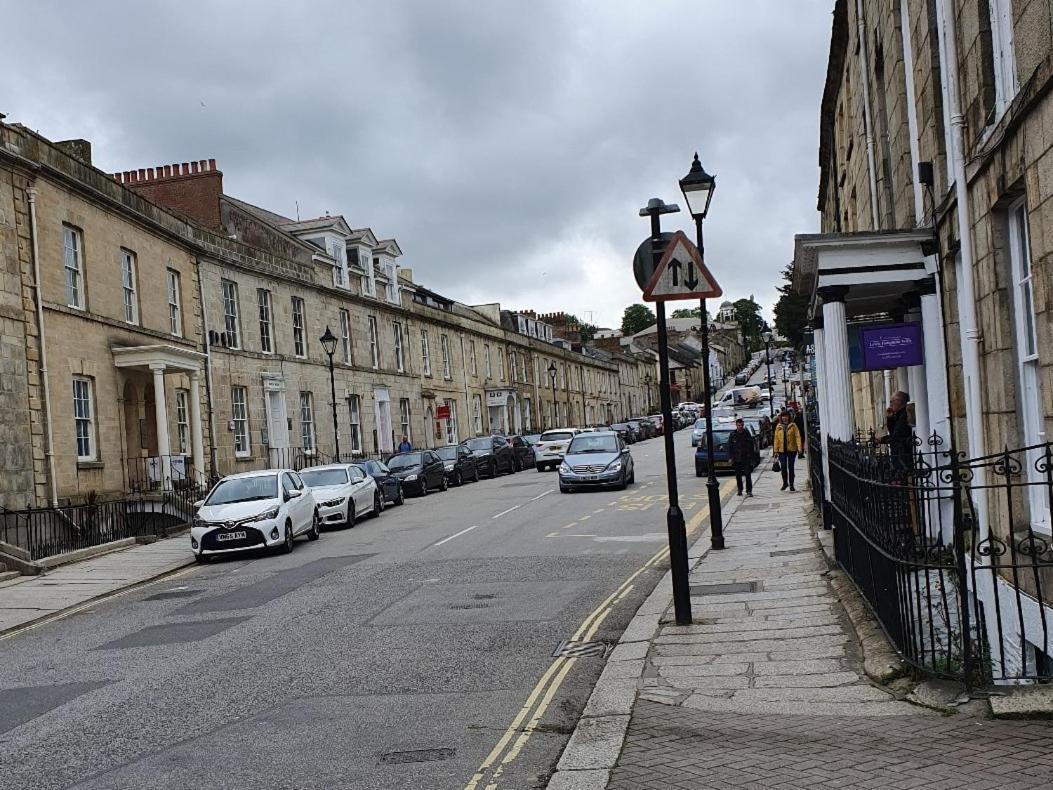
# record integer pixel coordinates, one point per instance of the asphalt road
(403, 653)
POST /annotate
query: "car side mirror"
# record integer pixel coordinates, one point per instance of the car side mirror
(625, 451)
(199, 504)
(292, 494)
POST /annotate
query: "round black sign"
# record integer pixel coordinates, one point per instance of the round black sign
(644, 260)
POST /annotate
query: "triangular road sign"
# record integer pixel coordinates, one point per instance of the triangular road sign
(681, 274)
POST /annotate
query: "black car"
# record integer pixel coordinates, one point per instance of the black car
(522, 452)
(493, 455)
(742, 379)
(459, 463)
(389, 485)
(643, 431)
(420, 471)
(627, 433)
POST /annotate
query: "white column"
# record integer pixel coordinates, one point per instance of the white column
(936, 392)
(903, 381)
(819, 338)
(164, 448)
(838, 376)
(196, 430)
(917, 384)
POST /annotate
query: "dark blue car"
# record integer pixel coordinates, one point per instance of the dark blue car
(389, 485)
(721, 457)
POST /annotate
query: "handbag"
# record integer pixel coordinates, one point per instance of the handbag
(776, 467)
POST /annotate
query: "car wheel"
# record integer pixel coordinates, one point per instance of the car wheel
(516, 465)
(315, 532)
(287, 544)
(698, 472)
(350, 520)
(624, 483)
(632, 476)
(476, 478)
(378, 504)
(201, 559)
(424, 487)
(458, 480)
(564, 489)
(493, 469)
(400, 499)
(539, 467)
(445, 483)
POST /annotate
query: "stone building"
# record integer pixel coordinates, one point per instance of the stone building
(934, 153)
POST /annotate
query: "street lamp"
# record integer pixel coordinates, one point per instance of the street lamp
(767, 359)
(552, 376)
(647, 381)
(328, 341)
(698, 187)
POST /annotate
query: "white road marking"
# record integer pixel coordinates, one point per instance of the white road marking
(505, 512)
(455, 535)
(543, 493)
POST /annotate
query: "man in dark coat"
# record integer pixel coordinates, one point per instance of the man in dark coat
(900, 437)
(741, 452)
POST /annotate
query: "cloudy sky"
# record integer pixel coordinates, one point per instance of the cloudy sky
(507, 145)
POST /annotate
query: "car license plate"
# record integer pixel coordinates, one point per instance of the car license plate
(723, 463)
(592, 477)
(240, 535)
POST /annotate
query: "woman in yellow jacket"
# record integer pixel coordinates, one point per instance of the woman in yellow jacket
(786, 446)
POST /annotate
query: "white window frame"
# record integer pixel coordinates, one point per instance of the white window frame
(175, 303)
(345, 337)
(182, 413)
(451, 422)
(528, 423)
(475, 367)
(405, 419)
(299, 322)
(239, 417)
(231, 319)
(444, 341)
(1029, 379)
(1001, 13)
(339, 254)
(425, 353)
(307, 437)
(400, 356)
(73, 262)
(369, 279)
(84, 434)
(487, 362)
(477, 413)
(263, 315)
(500, 365)
(374, 342)
(130, 286)
(354, 408)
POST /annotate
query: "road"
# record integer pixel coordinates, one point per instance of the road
(412, 651)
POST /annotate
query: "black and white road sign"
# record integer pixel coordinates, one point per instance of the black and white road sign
(681, 274)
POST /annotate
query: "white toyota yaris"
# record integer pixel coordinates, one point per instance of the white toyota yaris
(254, 510)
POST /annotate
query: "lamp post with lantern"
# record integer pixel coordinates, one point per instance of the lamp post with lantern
(767, 335)
(328, 341)
(552, 376)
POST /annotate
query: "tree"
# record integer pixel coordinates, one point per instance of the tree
(747, 313)
(636, 318)
(692, 313)
(791, 311)
(586, 331)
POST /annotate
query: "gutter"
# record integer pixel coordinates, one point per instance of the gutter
(864, 72)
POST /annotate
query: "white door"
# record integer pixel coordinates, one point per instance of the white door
(383, 415)
(277, 430)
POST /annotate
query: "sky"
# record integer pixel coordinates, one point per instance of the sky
(507, 146)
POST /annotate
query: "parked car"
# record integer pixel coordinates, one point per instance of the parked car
(253, 510)
(493, 455)
(522, 453)
(626, 432)
(721, 456)
(596, 460)
(552, 446)
(531, 438)
(459, 463)
(742, 378)
(420, 471)
(389, 485)
(644, 430)
(343, 493)
(659, 423)
(698, 433)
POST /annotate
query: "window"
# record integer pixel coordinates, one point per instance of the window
(486, 362)
(230, 312)
(369, 284)
(451, 423)
(527, 416)
(175, 309)
(445, 342)
(263, 308)
(345, 337)
(500, 366)
(471, 358)
(336, 250)
(299, 345)
(404, 417)
(307, 421)
(239, 415)
(513, 367)
(425, 353)
(72, 242)
(400, 360)
(182, 422)
(129, 287)
(354, 406)
(374, 348)
(477, 413)
(84, 418)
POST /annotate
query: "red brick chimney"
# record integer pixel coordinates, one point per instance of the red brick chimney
(191, 188)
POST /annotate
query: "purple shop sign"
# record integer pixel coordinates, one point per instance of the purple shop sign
(891, 346)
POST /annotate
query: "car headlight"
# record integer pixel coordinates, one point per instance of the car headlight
(449, 466)
(564, 469)
(264, 516)
(410, 478)
(615, 465)
(334, 502)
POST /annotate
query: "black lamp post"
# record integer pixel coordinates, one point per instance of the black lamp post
(552, 376)
(767, 360)
(698, 187)
(328, 341)
(647, 381)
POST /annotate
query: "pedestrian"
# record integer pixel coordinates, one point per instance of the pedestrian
(900, 436)
(404, 445)
(787, 448)
(741, 451)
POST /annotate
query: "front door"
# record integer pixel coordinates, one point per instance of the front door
(277, 430)
(385, 439)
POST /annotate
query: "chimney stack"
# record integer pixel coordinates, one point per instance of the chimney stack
(192, 189)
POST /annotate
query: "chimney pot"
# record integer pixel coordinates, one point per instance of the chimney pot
(211, 164)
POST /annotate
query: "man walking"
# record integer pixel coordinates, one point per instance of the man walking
(405, 446)
(786, 448)
(740, 450)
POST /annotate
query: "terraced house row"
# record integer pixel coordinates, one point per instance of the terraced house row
(153, 328)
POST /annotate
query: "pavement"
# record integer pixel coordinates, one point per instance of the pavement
(767, 689)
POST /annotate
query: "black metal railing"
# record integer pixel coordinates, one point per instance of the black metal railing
(815, 461)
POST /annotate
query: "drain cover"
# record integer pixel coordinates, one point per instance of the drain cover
(469, 606)
(485, 596)
(581, 649)
(417, 756)
(724, 589)
(161, 596)
(789, 552)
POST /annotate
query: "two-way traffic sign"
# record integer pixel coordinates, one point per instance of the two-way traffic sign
(681, 274)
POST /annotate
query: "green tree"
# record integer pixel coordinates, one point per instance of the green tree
(636, 318)
(685, 313)
(791, 311)
(747, 313)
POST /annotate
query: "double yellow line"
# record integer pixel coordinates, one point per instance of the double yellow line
(513, 740)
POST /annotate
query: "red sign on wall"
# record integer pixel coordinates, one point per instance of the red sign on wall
(442, 413)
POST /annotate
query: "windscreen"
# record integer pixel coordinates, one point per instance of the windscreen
(481, 443)
(324, 477)
(405, 461)
(447, 453)
(556, 436)
(244, 489)
(593, 443)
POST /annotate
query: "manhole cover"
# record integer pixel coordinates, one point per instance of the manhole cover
(484, 596)
(161, 596)
(469, 606)
(789, 552)
(417, 756)
(570, 649)
(725, 589)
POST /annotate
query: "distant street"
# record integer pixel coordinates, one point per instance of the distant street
(392, 655)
